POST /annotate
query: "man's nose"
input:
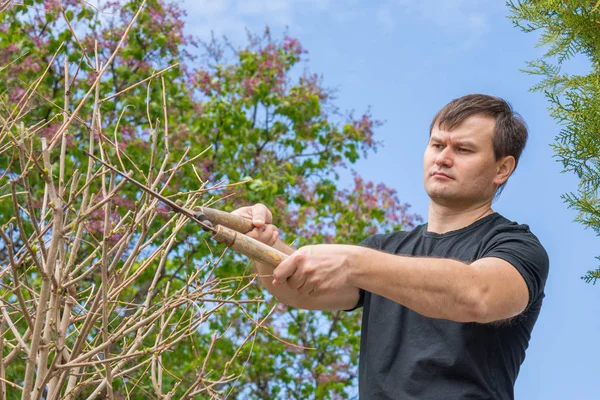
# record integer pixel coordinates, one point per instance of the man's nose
(444, 158)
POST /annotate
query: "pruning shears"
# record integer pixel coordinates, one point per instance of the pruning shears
(226, 228)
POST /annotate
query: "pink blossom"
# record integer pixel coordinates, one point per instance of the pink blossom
(207, 83)
(293, 46)
(124, 202)
(39, 42)
(365, 127)
(163, 211)
(11, 47)
(52, 5)
(16, 95)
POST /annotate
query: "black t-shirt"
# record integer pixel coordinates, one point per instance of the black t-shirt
(405, 355)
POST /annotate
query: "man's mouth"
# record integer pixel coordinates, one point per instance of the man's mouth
(441, 175)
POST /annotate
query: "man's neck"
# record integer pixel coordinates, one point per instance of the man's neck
(444, 219)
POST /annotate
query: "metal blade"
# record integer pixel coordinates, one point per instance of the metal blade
(156, 195)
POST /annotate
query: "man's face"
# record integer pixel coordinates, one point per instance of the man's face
(459, 165)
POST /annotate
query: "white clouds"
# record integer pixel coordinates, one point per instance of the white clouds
(230, 17)
(468, 19)
(204, 16)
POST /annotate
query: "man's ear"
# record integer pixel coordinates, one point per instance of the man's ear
(504, 168)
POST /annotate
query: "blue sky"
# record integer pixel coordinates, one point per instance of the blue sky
(407, 58)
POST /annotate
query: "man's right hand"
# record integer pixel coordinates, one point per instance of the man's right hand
(264, 231)
(261, 218)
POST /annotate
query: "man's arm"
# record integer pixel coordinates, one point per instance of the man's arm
(487, 290)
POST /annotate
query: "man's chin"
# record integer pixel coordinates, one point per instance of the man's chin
(445, 198)
(435, 191)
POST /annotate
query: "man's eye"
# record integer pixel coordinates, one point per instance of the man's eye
(462, 150)
(437, 146)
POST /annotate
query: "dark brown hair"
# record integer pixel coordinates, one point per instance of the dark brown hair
(510, 131)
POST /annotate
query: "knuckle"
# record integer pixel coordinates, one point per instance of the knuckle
(255, 234)
(298, 258)
(301, 258)
(240, 211)
(274, 238)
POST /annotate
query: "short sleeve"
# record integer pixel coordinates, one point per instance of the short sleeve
(522, 249)
(372, 243)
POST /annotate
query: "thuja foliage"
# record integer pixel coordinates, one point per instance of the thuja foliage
(267, 131)
(568, 29)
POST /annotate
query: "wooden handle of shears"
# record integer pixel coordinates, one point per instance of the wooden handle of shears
(235, 222)
(247, 246)
(217, 217)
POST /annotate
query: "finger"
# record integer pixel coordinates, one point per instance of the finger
(307, 288)
(267, 234)
(274, 236)
(254, 233)
(284, 270)
(261, 215)
(296, 281)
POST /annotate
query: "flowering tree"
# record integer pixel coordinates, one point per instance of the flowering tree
(107, 293)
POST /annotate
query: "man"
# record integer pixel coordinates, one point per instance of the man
(448, 307)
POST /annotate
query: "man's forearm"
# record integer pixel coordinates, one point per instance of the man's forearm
(434, 287)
